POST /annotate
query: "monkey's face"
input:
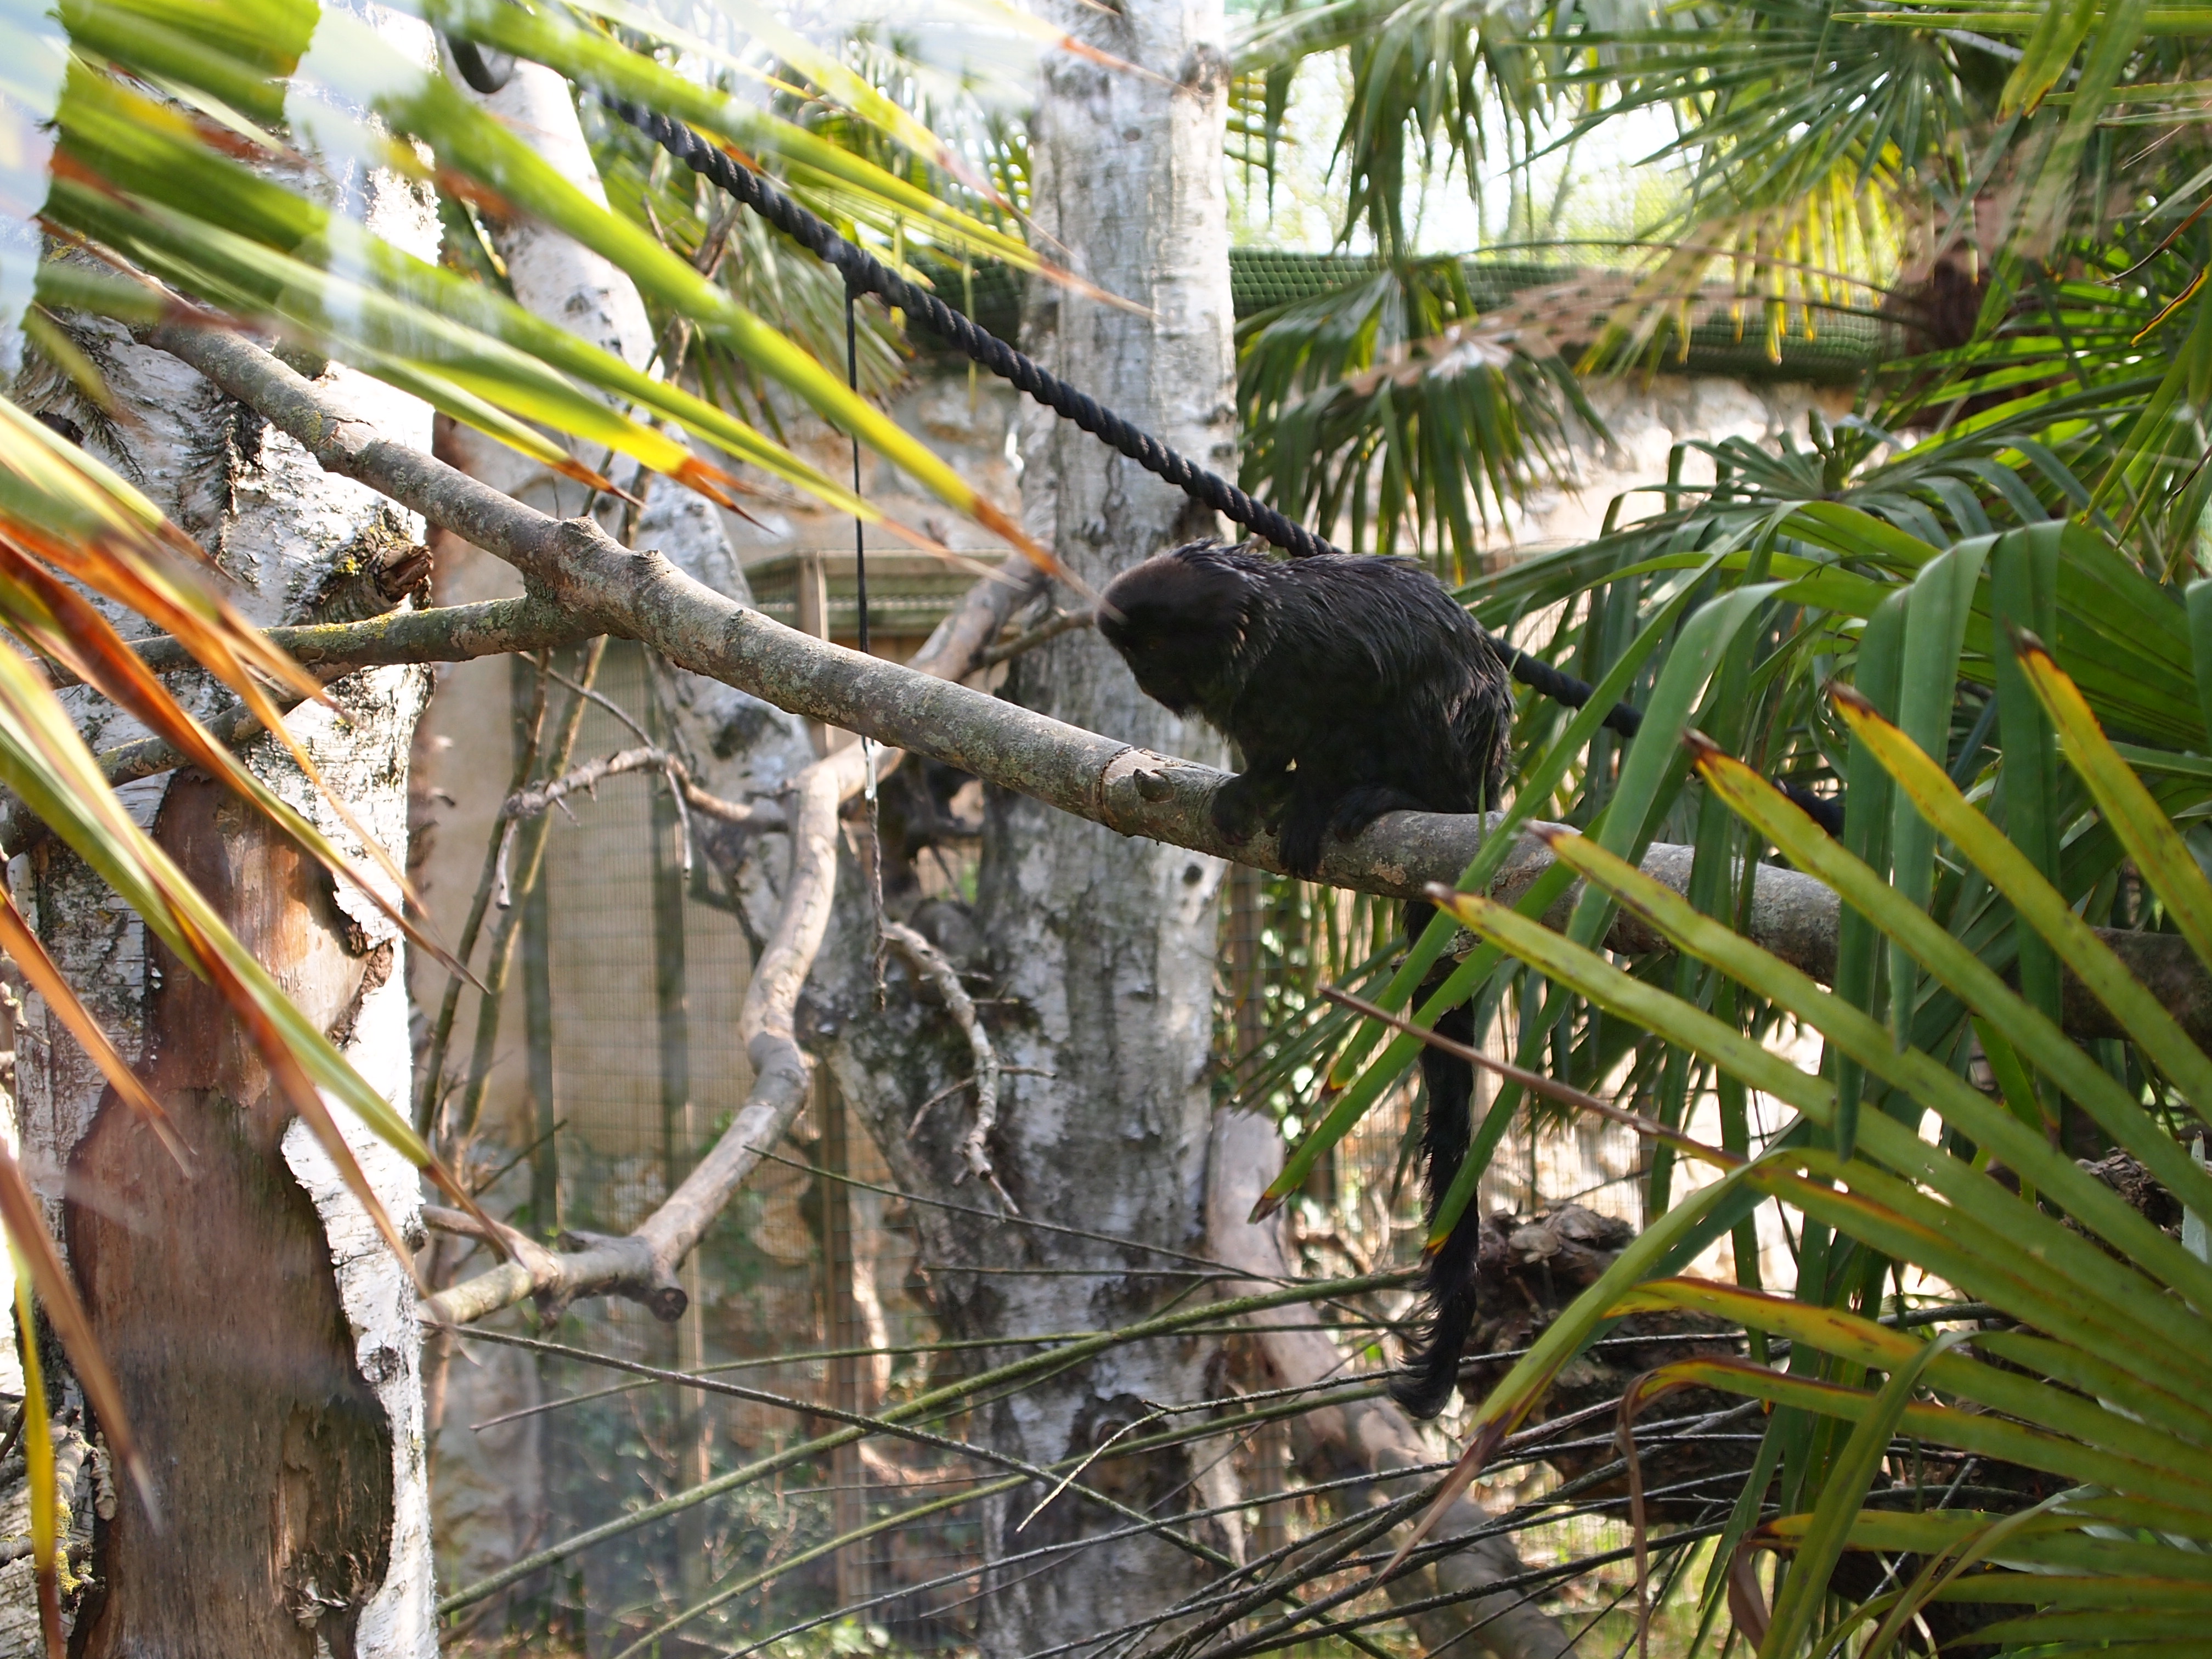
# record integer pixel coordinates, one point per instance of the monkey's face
(1178, 625)
(1160, 662)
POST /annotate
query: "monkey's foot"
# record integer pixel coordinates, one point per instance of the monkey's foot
(1299, 838)
(1245, 805)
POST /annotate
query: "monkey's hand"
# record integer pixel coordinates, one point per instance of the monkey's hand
(1248, 803)
(1300, 830)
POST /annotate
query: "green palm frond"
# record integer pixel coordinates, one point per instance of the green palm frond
(1386, 406)
(165, 164)
(159, 188)
(1424, 74)
(2093, 1382)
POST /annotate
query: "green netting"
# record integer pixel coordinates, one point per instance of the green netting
(1841, 344)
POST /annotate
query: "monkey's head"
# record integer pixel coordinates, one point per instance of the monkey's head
(1178, 620)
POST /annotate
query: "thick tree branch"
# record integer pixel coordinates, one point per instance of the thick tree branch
(331, 650)
(606, 587)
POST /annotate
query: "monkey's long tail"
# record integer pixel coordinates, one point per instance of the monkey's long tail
(1424, 1386)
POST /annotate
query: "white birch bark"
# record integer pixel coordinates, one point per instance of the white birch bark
(1101, 947)
(565, 283)
(284, 531)
(1109, 944)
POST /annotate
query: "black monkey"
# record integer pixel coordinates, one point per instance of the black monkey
(1353, 686)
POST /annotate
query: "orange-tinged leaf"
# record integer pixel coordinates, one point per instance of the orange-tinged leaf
(22, 944)
(62, 624)
(44, 757)
(487, 417)
(25, 1221)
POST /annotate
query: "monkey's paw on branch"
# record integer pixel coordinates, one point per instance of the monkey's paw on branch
(1248, 803)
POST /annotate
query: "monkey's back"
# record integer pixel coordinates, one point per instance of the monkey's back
(1371, 675)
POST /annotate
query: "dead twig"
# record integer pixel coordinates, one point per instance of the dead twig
(583, 689)
(529, 840)
(528, 803)
(493, 882)
(931, 962)
(914, 1123)
(1062, 621)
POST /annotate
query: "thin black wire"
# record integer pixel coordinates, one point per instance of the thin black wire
(865, 274)
(860, 596)
(860, 533)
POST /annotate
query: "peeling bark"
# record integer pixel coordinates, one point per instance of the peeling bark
(271, 1454)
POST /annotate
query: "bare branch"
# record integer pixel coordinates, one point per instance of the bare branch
(1374, 1435)
(528, 803)
(1063, 622)
(929, 962)
(919, 1407)
(332, 650)
(643, 1265)
(530, 840)
(605, 702)
(492, 882)
(453, 633)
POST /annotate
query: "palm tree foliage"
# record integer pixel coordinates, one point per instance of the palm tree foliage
(1992, 552)
(174, 156)
(1967, 607)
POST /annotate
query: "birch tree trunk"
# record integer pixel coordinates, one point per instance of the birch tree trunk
(1108, 944)
(1103, 946)
(263, 1337)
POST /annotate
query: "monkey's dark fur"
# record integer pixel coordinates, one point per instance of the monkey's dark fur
(1353, 686)
(1359, 672)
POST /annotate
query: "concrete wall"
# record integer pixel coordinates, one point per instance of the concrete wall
(1645, 417)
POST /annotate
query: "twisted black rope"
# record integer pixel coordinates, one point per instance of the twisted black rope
(865, 274)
